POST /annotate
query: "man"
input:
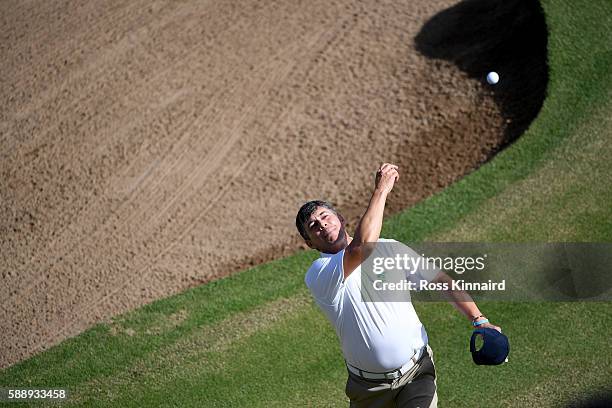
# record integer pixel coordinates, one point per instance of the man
(389, 361)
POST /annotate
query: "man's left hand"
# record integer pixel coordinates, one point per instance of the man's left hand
(490, 326)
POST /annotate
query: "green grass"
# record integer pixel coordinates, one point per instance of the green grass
(256, 339)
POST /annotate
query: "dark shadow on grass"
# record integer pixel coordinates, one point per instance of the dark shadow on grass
(506, 36)
(601, 399)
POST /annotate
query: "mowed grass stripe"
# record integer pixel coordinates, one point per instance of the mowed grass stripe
(590, 375)
(189, 354)
(546, 340)
(570, 365)
(263, 367)
(100, 352)
(293, 359)
(566, 199)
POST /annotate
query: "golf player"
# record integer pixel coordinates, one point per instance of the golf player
(385, 345)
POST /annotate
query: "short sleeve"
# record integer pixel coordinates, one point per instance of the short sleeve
(423, 270)
(427, 272)
(325, 278)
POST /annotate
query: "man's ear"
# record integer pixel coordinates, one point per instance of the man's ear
(342, 220)
(309, 243)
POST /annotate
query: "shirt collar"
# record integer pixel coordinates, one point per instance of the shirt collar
(326, 255)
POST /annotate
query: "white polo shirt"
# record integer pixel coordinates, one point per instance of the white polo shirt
(375, 336)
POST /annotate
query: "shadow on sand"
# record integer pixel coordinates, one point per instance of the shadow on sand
(506, 36)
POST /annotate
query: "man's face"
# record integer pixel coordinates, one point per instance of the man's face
(325, 230)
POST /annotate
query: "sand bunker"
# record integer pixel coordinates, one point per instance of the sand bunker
(147, 147)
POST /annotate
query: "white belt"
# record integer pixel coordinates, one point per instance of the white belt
(391, 375)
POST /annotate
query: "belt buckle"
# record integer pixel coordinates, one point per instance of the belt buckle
(393, 375)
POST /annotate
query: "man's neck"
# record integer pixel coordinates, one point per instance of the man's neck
(332, 251)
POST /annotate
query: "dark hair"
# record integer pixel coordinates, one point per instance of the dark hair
(306, 211)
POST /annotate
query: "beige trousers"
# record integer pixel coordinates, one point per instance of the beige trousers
(415, 389)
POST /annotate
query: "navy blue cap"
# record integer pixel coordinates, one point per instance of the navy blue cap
(495, 347)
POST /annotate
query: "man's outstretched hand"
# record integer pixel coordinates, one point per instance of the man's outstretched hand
(386, 176)
(368, 229)
(490, 326)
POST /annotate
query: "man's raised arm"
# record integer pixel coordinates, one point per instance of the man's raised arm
(368, 229)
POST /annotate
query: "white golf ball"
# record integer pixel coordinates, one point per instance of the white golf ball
(492, 78)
